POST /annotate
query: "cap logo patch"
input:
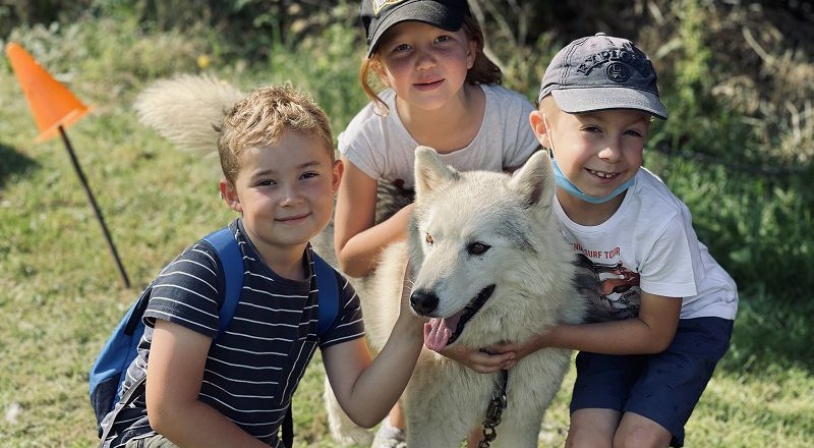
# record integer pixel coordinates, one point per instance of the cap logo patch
(378, 5)
(617, 72)
(622, 61)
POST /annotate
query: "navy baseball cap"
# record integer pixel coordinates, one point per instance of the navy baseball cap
(602, 72)
(379, 15)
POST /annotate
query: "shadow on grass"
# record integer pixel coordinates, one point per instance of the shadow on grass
(13, 163)
(770, 334)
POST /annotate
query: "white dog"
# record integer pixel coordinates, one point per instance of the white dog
(489, 261)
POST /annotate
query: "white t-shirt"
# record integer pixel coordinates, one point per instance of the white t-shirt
(649, 244)
(382, 147)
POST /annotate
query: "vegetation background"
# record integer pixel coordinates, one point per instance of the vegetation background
(735, 74)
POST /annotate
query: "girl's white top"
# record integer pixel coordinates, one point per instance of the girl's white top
(383, 148)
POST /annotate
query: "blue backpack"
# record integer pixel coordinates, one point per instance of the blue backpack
(110, 368)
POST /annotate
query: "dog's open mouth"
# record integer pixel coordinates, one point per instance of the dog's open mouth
(457, 322)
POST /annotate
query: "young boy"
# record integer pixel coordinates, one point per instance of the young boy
(662, 309)
(276, 152)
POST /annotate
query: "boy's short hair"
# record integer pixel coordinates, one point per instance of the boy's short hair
(601, 72)
(263, 117)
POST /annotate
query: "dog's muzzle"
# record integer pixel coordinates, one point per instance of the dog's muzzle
(424, 302)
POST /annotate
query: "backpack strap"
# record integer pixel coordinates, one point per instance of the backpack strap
(231, 263)
(288, 429)
(328, 293)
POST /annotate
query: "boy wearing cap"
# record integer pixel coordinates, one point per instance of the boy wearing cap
(662, 309)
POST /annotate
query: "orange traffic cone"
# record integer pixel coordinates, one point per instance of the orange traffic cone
(51, 103)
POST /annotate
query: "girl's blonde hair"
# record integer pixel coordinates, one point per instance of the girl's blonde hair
(263, 118)
(483, 70)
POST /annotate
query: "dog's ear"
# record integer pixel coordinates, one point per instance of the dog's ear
(534, 181)
(430, 171)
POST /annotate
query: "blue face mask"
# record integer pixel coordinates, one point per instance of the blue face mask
(572, 189)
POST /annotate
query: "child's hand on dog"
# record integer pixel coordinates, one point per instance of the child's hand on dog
(484, 360)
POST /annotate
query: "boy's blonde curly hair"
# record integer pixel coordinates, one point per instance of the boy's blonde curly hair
(263, 118)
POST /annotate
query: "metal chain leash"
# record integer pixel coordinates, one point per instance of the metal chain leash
(494, 411)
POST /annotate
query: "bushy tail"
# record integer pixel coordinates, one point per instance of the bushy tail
(185, 110)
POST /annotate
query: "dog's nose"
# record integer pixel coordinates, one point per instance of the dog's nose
(423, 301)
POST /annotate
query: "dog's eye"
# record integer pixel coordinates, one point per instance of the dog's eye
(477, 248)
(428, 239)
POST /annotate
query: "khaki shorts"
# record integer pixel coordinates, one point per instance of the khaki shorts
(150, 442)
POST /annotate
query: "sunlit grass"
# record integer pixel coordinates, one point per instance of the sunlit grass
(60, 293)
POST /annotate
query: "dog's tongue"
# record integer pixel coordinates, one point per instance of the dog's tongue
(440, 331)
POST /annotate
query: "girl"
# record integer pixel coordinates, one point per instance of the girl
(441, 91)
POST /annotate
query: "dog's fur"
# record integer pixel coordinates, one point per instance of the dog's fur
(526, 265)
(186, 110)
(472, 234)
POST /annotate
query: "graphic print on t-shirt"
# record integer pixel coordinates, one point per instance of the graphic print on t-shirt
(612, 290)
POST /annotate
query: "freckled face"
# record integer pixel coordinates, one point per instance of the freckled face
(424, 64)
(285, 191)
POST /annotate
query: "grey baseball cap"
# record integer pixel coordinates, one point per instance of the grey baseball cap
(602, 72)
(379, 15)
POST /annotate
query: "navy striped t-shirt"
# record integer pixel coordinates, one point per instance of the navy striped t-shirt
(254, 367)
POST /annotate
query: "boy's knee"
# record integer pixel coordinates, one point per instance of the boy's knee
(636, 431)
(588, 438)
(592, 428)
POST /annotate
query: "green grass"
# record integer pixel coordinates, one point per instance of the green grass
(60, 294)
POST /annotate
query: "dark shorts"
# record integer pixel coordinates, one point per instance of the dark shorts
(664, 387)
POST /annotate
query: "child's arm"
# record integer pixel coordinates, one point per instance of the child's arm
(366, 389)
(174, 375)
(651, 332)
(356, 239)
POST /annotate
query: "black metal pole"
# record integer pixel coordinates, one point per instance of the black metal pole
(96, 210)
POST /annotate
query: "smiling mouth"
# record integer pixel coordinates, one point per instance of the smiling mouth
(292, 218)
(603, 174)
(457, 322)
